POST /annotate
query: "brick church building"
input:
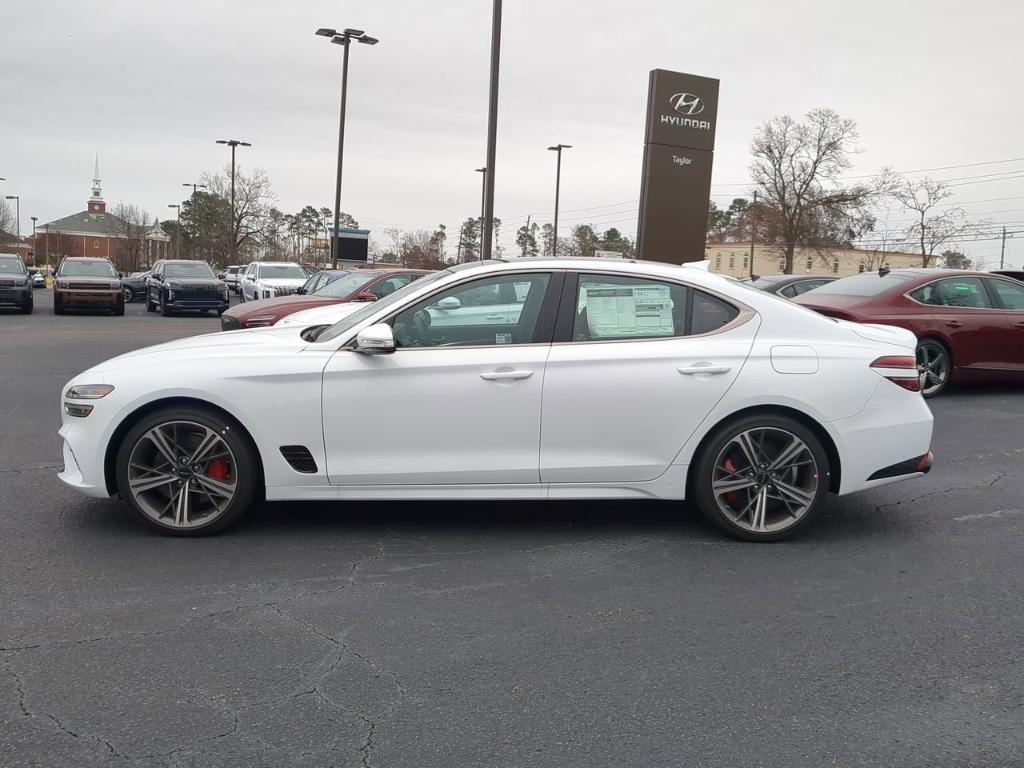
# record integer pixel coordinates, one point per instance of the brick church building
(96, 232)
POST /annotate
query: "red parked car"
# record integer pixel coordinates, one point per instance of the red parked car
(966, 323)
(359, 285)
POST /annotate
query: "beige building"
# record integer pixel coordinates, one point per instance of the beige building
(733, 259)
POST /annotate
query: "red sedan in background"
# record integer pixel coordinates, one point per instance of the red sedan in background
(966, 323)
(359, 285)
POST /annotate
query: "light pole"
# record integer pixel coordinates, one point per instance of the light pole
(492, 130)
(558, 182)
(17, 212)
(177, 228)
(233, 143)
(483, 203)
(343, 39)
(35, 246)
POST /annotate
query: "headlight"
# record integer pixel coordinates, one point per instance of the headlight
(59, 284)
(259, 320)
(170, 294)
(89, 391)
(226, 294)
(115, 285)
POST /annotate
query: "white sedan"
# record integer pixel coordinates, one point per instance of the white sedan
(608, 379)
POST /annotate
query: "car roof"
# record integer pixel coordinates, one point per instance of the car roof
(85, 258)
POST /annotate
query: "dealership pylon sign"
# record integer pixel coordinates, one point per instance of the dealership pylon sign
(682, 112)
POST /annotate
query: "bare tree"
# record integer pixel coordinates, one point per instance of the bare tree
(932, 226)
(7, 222)
(254, 199)
(796, 170)
(128, 224)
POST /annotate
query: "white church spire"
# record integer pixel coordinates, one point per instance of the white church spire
(97, 190)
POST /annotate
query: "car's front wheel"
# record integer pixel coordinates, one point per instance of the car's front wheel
(933, 366)
(188, 471)
(127, 295)
(761, 478)
(164, 309)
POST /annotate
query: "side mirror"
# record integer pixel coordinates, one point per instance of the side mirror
(120, 275)
(378, 339)
(365, 296)
(448, 302)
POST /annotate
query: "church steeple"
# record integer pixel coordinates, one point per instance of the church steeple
(96, 202)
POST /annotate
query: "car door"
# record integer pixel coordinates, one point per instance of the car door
(965, 317)
(637, 364)
(1008, 296)
(444, 409)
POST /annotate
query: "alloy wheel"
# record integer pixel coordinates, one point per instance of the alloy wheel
(765, 479)
(182, 474)
(932, 367)
(127, 295)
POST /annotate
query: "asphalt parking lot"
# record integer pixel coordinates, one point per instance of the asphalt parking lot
(512, 634)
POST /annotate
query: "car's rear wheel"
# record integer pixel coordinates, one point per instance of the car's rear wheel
(934, 366)
(188, 471)
(761, 478)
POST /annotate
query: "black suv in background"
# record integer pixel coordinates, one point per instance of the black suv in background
(15, 283)
(178, 285)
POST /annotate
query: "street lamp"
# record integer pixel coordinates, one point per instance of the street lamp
(483, 203)
(17, 206)
(35, 246)
(492, 129)
(233, 143)
(343, 39)
(177, 228)
(558, 181)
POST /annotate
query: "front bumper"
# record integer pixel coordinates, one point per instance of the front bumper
(183, 305)
(83, 459)
(71, 297)
(15, 296)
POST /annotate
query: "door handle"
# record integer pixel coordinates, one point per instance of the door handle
(506, 375)
(954, 324)
(494, 317)
(1019, 325)
(714, 370)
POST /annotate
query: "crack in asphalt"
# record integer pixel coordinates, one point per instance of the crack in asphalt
(902, 502)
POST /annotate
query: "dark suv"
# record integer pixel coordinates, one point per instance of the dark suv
(176, 285)
(15, 283)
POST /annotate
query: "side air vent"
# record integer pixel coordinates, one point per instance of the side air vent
(300, 458)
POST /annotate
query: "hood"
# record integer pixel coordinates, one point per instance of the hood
(283, 282)
(324, 315)
(280, 305)
(221, 346)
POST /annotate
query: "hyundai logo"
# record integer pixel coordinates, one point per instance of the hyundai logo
(687, 104)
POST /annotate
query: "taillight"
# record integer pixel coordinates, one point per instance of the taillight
(901, 370)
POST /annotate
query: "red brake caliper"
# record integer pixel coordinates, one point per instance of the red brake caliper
(217, 469)
(730, 498)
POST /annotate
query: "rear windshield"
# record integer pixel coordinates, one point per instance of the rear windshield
(865, 284)
(197, 269)
(12, 266)
(86, 269)
(764, 282)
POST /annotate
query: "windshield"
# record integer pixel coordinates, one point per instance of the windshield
(86, 269)
(346, 285)
(282, 272)
(13, 266)
(362, 313)
(196, 269)
(865, 284)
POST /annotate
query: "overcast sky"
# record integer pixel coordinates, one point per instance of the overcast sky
(150, 86)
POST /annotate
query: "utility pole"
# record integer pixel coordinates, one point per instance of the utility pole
(492, 133)
(35, 245)
(558, 182)
(1002, 250)
(753, 232)
(483, 206)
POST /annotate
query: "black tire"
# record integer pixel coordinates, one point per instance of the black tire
(164, 309)
(221, 311)
(26, 309)
(248, 481)
(58, 309)
(934, 365)
(704, 470)
(119, 310)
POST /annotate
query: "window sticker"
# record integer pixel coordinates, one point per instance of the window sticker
(503, 338)
(626, 311)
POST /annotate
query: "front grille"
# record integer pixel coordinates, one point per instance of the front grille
(299, 457)
(89, 287)
(7, 283)
(198, 294)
